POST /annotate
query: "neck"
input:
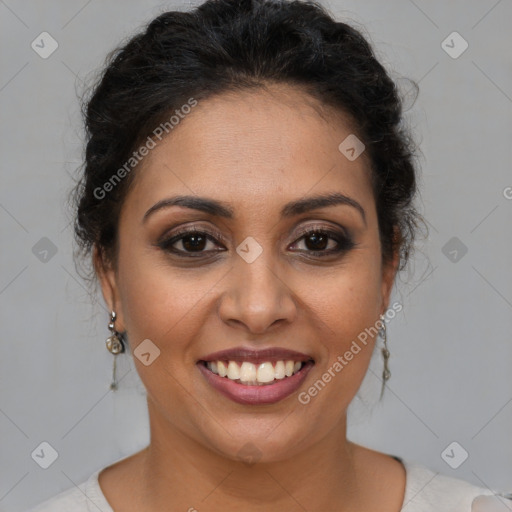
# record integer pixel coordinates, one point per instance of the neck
(182, 474)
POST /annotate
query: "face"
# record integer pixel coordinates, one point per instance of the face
(262, 272)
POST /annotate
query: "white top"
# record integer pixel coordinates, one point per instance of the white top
(425, 491)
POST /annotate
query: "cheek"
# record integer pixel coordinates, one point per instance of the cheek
(168, 308)
(163, 304)
(348, 306)
(348, 299)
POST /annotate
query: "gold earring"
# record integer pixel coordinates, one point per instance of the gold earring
(115, 345)
(386, 374)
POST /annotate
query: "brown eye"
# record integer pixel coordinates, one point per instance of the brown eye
(194, 242)
(324, 242)
(188, 242)
(316, 241)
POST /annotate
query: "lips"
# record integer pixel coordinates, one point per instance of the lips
(254, 377)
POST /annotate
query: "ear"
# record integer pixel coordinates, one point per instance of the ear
(388, 276)
(108, 279)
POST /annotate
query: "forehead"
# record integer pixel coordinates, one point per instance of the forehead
(253, 147)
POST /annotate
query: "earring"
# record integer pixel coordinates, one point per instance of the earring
(386, 374)
(115, 346)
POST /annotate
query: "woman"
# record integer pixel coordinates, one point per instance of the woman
(247, 200)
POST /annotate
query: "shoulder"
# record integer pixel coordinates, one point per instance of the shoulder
(85, 497)
(69, 500)
(427, 490)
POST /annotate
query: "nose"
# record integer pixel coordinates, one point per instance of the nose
(257, 296)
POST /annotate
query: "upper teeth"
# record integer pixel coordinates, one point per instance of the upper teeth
(252, 374)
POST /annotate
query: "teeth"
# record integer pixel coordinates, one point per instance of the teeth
(252, 374)
(279, 369)
(266, 372)
(233, 371)
(247, 372)
(221, 368)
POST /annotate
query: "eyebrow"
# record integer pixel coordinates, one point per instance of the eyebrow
(216, 208)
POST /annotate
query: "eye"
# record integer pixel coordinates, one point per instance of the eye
(190, 241)
(318, 239)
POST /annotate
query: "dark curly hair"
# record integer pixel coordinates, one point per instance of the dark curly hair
(229, 45)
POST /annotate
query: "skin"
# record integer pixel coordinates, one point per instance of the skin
(254, 151)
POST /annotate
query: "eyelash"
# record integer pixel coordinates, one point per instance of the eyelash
(344, 243)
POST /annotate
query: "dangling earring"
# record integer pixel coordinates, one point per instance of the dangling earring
(386, 374)
(115, 346)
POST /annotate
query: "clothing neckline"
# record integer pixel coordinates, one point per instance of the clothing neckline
(95, 494)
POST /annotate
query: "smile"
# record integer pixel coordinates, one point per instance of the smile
(252, 377)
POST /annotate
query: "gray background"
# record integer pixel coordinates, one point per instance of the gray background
(451, 346)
